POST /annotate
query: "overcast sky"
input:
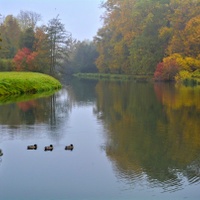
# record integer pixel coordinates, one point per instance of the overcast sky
(81, 17)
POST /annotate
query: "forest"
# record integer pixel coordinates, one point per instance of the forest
(28, 46)
(159, 37)
(145, 37)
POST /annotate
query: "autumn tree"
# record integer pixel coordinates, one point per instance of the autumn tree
(37, 56)
(129, 40)
(41, 46)
(181, 13)
(10, 33)
(167, 70)
(137, 35)
(24, 60)
(191, 34)
(114, 38)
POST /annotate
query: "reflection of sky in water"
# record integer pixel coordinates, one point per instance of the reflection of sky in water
(84, 173)
(57, 174)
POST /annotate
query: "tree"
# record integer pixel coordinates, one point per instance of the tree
(41, 46)
(137, 35)
(36, 57)
(129, 40)
(24, 60)
(10, 33)
(28, 19)
(181, 12)
(59, 40)
(114, 38)
(83, 57)
(27, 38)
(167, 70)
(192, 37)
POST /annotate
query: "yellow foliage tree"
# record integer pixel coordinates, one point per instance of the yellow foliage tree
(192, 37)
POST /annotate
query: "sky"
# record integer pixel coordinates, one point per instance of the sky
(81, 17)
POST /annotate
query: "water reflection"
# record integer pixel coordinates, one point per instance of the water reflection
(45, 113)
(149, 133)
(42, 110)
(82, 92)
(153, 132)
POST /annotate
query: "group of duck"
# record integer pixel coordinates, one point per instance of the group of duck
(50, 147)
(46, 148)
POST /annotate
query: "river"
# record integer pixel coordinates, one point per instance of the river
(131, 141)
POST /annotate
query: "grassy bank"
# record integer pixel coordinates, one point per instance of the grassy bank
(12, 83)
(122, 77)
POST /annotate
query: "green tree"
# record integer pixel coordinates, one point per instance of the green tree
(27, 38)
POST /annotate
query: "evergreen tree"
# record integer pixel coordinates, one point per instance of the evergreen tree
(59, 40)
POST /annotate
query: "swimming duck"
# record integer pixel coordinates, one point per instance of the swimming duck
(1, 152)
(70, 147)
(32, 147)
(49, 148)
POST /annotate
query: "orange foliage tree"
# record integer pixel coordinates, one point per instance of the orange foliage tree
(24, 60)
(166, 70)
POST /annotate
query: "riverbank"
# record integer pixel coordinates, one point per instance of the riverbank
(121, 77)
(191, 79)
(12, 83)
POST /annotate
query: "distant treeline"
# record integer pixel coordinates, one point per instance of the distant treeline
(159, 37)
(138, 37)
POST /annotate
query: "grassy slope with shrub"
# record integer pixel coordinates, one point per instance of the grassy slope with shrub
(12, 83)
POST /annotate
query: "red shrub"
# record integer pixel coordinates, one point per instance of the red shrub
(24, 59)
(166, 70)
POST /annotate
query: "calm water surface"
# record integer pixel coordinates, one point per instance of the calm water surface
(132, 141)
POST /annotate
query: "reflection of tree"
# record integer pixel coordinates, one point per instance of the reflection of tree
(45, 110)
(48, 112)
(146, 136)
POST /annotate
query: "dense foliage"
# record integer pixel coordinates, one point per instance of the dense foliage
(31, 47)
(137, 36)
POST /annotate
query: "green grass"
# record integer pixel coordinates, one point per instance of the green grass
(17, 83)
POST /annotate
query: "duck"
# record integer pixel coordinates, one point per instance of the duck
(70, 147)
(32, 147)
(1, 152)
(49, 148)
